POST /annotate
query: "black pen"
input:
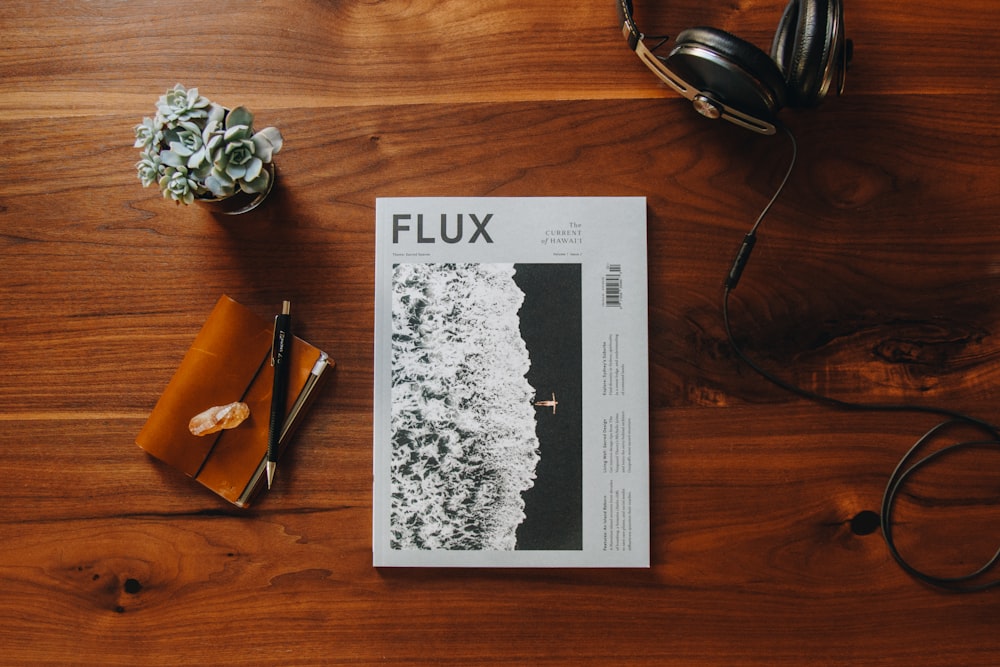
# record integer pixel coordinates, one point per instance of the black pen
(281, 346)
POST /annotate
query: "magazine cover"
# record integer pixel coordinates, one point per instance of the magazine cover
(511, 382)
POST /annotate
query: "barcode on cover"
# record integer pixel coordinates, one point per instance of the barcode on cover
(613, 286)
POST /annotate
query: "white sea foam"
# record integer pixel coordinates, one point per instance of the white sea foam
(464, 446)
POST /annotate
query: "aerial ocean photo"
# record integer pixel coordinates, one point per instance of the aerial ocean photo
(486, 374)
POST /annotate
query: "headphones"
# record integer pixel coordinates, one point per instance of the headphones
(727, 77)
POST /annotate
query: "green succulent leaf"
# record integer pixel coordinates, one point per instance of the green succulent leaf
(172, 159)
(267, 142)
(253, 169)
(219, 184)
(239, 116)
(236, 132)
(258, 184)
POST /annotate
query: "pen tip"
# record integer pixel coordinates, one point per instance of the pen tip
(270, 473)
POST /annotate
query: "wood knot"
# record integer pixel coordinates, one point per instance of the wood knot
(848, 184)
(865, 522)
(927, 344)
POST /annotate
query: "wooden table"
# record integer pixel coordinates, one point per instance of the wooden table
(876, 279)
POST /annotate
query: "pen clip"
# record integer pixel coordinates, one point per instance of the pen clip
(275, 342)
(279, 336)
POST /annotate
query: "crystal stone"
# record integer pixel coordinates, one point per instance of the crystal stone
(219, 417)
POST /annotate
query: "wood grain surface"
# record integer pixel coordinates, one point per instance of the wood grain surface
(876, 278)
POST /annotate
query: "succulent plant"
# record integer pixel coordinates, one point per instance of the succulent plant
(179, 183)
(238, 159)
(149, 168)
(179, 105)
(195, 149)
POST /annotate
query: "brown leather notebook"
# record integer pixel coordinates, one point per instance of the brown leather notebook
(230, 361)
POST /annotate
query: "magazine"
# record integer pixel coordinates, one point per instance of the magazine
(511, 422)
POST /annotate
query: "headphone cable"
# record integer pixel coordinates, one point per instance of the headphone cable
(904, 469)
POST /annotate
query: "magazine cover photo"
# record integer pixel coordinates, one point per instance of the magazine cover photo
(486, 394)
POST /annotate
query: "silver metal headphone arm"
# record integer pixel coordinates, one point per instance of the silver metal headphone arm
(704, 101)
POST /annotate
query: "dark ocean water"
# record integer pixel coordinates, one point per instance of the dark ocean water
(550, 320)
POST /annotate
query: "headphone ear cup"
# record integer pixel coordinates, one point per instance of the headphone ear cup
(802, 47)
(733, 71)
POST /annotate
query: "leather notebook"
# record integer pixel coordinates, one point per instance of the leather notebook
(230, 361)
